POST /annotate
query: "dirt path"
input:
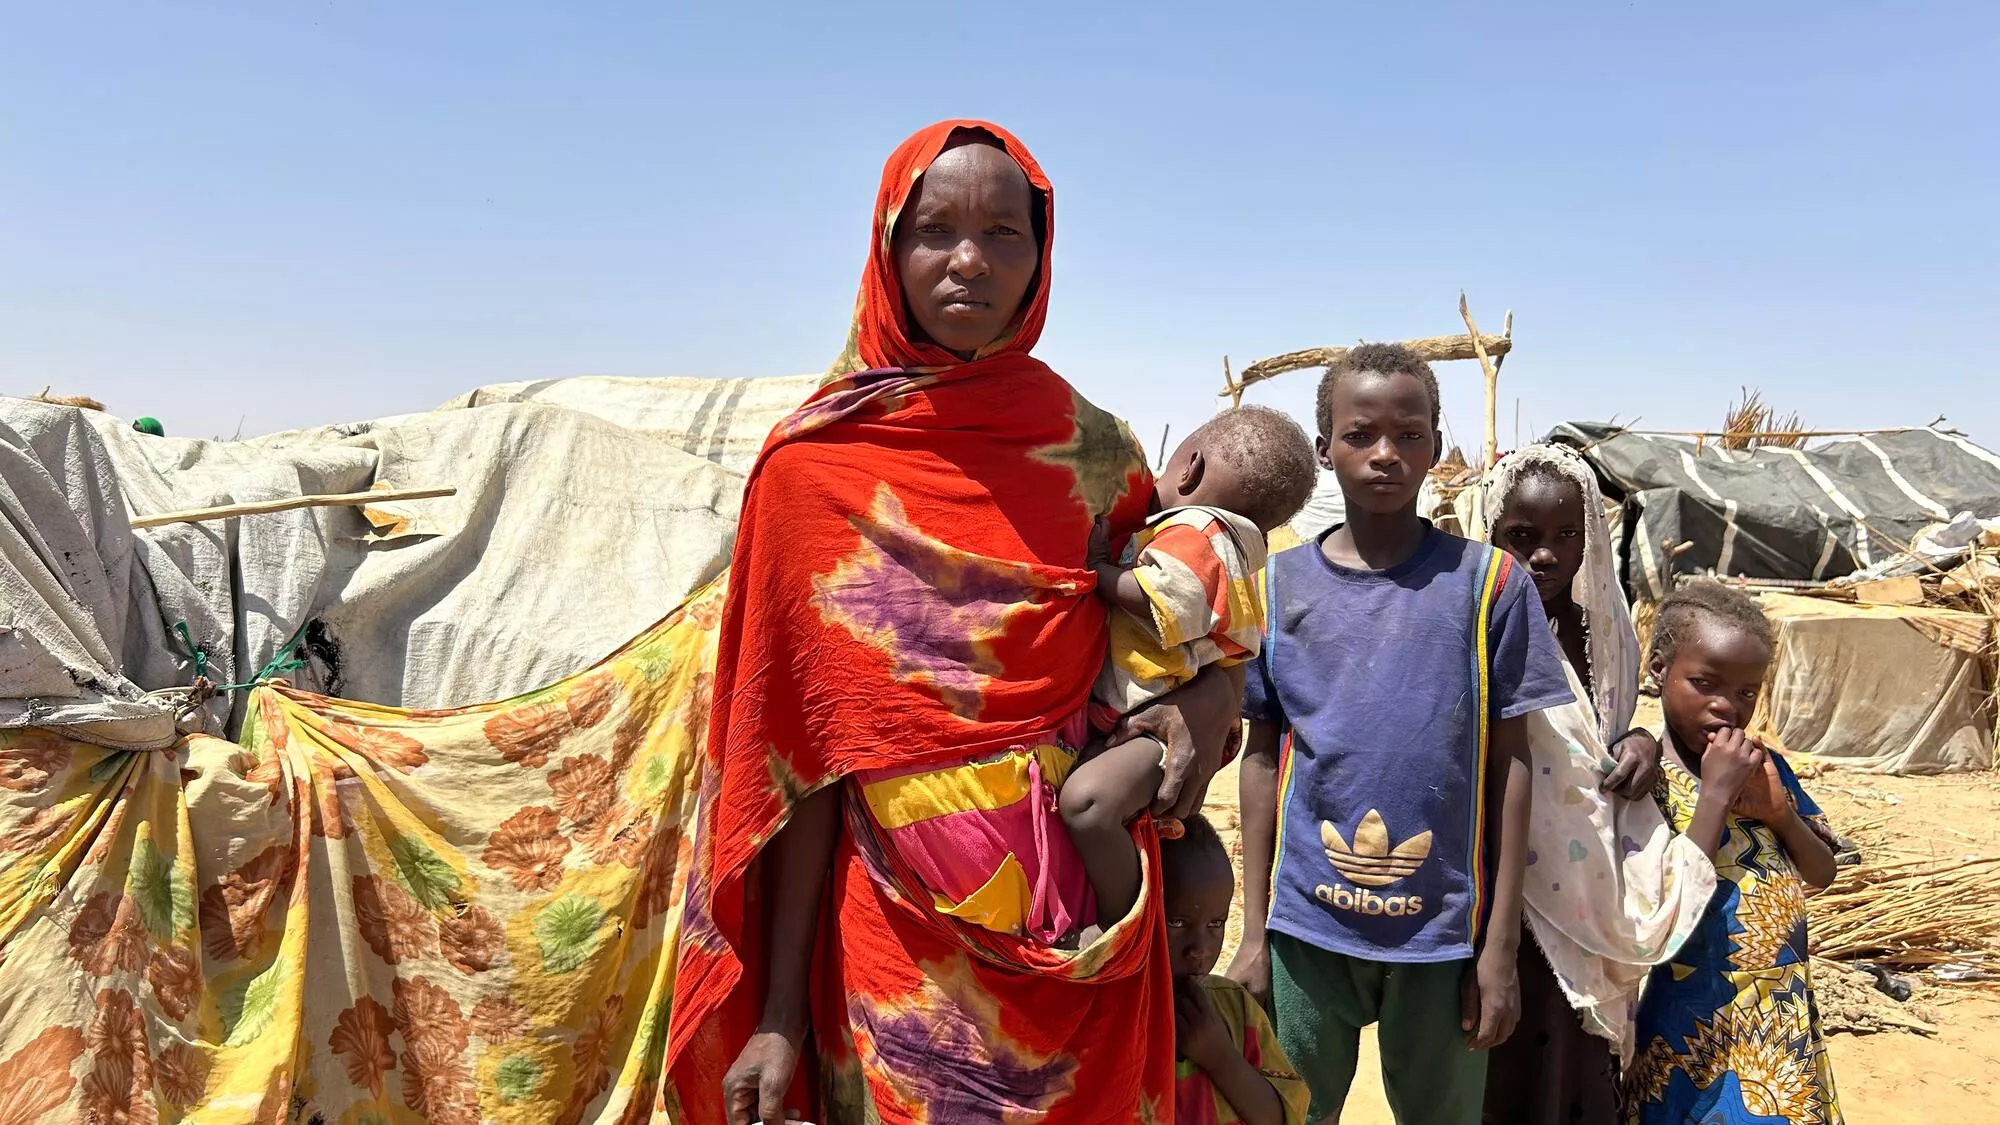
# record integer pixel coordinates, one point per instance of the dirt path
(1885, 1078)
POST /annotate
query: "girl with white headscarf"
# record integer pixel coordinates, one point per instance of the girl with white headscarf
(1610, 891)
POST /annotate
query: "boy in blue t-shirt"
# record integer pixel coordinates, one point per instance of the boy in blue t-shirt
(1385, 780)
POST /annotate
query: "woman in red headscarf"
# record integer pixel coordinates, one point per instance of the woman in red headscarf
(882, 912)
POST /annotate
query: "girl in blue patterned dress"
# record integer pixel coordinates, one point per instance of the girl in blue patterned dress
(1728, 1033)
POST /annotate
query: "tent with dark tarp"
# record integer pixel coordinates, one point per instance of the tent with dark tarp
(1778, 513)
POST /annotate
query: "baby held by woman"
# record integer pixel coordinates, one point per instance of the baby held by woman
(1184, 596)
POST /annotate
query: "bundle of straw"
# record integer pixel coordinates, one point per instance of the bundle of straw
(1908, 912)
(84, 401)
(1752, 422)
(1452, 464)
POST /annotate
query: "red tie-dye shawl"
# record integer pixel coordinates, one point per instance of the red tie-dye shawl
(909, 588)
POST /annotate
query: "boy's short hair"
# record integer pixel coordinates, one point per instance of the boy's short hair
(1272, 455)
(1198, 843)
(1383, 359)
(1693, 600)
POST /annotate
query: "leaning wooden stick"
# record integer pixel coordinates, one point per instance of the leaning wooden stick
(293, 503)
(1492, 384)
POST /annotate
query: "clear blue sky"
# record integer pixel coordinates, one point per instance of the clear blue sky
(294, 213)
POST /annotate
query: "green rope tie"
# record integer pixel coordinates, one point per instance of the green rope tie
(200, 658)
(284, 662)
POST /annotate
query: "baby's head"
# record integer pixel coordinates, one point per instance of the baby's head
(1199, 882)
(1250, 460)
(1711, 647)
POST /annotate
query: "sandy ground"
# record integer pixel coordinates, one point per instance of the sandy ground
(1884, 1078)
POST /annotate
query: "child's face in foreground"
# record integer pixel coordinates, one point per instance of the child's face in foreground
(1381, 441)
(1197, 906)
(1542, 525)
(1712, 682)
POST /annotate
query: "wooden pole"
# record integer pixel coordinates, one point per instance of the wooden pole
(292, 503)
(1430, 349)
(1701, 435)
(1161, 460)
(1492, 384)
(1231, 388)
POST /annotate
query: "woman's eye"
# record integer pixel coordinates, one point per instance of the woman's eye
(1006, 232)
(1177, 923)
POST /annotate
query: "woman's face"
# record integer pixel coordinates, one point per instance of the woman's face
(1542, 525)
(965, 247)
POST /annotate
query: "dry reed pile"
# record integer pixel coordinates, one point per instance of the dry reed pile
(1908, 910)
(1450, 467)
(1752, 422)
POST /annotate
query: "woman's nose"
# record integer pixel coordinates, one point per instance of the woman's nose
(1542, 556)
(968, 259)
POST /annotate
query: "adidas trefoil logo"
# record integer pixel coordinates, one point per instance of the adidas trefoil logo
(1371, 862)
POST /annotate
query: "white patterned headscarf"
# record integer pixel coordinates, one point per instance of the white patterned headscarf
(1610, 890)
(1614, 648)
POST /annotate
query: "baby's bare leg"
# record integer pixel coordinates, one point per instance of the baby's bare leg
(1100, 798)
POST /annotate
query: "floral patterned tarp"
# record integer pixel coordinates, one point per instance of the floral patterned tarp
(358, 914)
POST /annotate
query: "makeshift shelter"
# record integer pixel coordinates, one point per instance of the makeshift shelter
(567, 534)
(1879, 689)
(484, 896)
(722, 420)
(1780, 513)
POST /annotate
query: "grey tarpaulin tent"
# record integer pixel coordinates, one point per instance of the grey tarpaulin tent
(585, 509)
(1781, 513)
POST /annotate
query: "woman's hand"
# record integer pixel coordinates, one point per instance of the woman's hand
(1199, 1033)
(754, 1089)
(1197, 723)
(795, 864)
(1638, 768)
